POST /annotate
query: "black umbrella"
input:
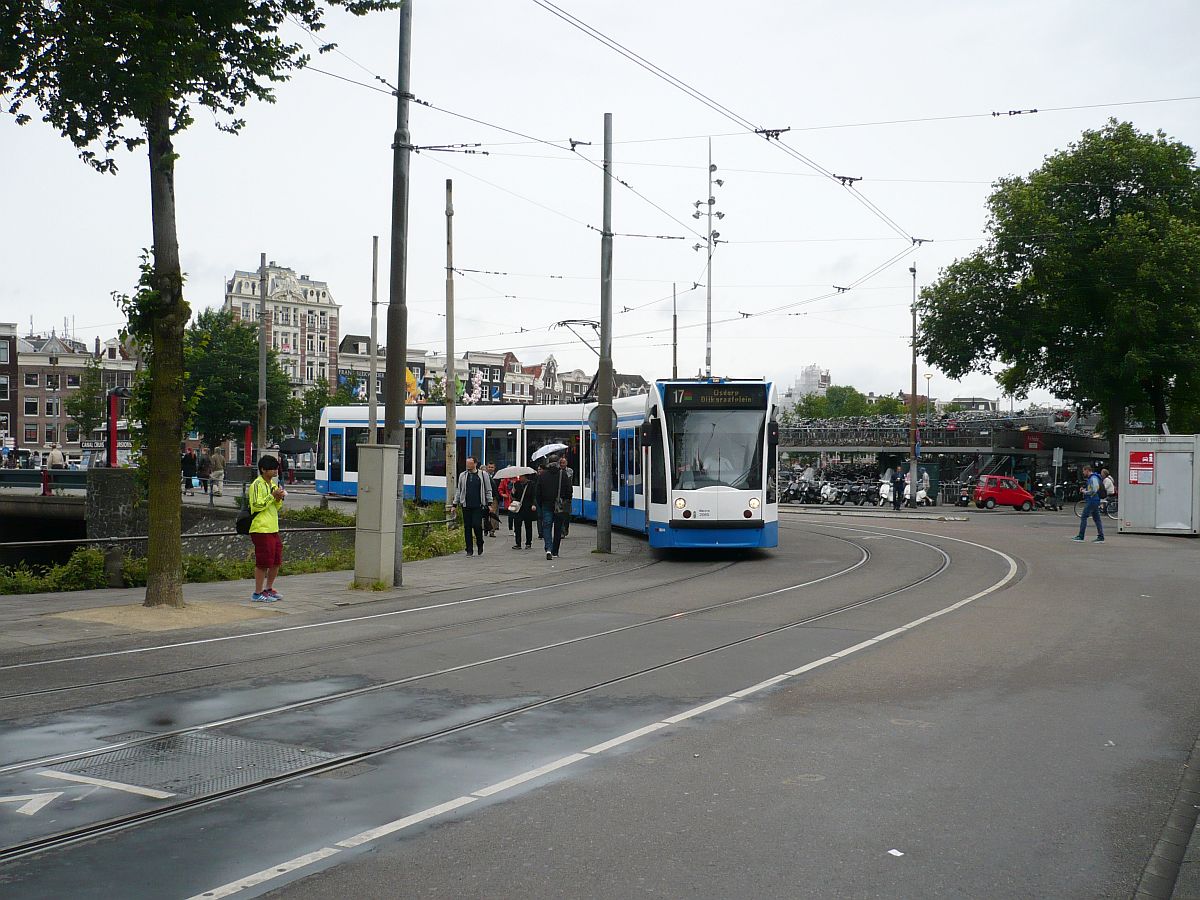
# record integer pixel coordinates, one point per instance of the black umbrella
(295, 445)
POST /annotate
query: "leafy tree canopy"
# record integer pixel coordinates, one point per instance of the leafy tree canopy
(1088, 284)
(221, 361)
(317, 398)
(86, 406)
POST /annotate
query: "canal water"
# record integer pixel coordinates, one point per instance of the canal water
(19, 528)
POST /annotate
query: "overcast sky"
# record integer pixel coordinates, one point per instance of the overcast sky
(309, 179)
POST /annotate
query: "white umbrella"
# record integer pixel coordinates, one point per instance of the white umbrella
(513, 472)
(548, 448)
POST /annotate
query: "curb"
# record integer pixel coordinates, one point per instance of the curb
(1172, 870)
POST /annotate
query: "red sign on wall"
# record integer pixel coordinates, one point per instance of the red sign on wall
(1141, 467)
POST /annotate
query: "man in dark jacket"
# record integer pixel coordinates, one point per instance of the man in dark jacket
(187, 463)
(474, 495)
(554, 502)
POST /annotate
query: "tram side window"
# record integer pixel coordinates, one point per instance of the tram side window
(354, 437)
(435, 451)
(637, 462)
(535, 439)
(320, 449)
(772, 459)
(658, 469)
(500, 447)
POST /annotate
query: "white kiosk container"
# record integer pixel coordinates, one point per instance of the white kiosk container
(1159, 488)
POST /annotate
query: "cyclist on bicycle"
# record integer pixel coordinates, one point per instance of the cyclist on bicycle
(1110, 486)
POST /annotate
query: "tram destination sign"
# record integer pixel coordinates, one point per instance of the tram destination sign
(717, 396)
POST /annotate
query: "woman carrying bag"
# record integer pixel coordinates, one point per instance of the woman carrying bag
(522, 509)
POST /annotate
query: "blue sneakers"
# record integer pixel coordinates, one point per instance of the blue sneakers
(264, 597)
(1077, 539)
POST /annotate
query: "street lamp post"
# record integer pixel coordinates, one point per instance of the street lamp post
(928, 399)
(710, 242)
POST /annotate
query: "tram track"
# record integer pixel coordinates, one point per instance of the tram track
(373, 639)
(82, 833)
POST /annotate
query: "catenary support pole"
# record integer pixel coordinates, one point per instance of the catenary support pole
(397, 315)
(373, 348)
(451, 412)
(708, 271)
(912, 404)
(604, 375)
(262, 354)
(674, 334)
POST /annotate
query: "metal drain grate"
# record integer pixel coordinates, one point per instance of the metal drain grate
(192, 765)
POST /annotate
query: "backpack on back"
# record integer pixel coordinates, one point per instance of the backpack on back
(1101, 492)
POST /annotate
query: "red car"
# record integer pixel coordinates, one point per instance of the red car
(1001, 490)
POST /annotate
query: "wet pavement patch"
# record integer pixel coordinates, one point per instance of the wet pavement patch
(195, 765)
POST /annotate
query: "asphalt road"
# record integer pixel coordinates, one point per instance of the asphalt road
(879, 708)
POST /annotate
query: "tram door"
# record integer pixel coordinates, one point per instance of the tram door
(336, 445)
(618, 512)
(469, 443)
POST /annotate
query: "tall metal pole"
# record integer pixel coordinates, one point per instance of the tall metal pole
(912, 406)
(604, 375)
(373, 348)
(708, 269)
(451, 413)
(397, 314)
(262, 354)
(674, 335)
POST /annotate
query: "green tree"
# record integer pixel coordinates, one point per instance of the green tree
(842, 401)
(1089, 283)
(112, 75)
(315, 399)
(221, 377)
(889, 406)
(86, 406)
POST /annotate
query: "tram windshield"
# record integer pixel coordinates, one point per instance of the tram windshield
(716, 447)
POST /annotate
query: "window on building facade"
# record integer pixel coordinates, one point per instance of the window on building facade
(31, 379)
(245, 310)
(4, 425)
(52, 382)
(3, 351)
(72, 434)
(308, 371)
(52, 409)
(321, 372)
(312, 343)
(3, 387)
(31, 406)
(51, 434)
(275, 339)
(495, 374)
(31, 434)
(72, 380)
(321, 344)
(312, 319)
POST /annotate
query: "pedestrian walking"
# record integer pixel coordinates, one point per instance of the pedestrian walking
(204, 469)
(504, 489)
(1091, 506)
(541, 467)
(491, 521)
(524, 497)
(474, 496)
(217, 461)
(187, 465)
(554, 501)
(265, 497)
(897, 489)
(570, 474)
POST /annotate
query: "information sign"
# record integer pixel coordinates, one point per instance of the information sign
(716, 396)
(1141, 467)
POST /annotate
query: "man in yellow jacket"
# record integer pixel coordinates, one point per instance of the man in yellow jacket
(265, 497)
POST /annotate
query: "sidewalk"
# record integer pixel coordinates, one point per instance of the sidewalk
(35, 620)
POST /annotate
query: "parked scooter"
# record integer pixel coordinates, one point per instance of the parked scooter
(964, 494)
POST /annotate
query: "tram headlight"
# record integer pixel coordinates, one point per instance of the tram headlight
(754, 503)
(680, 503)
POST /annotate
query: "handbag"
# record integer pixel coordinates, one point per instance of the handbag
(560, 504)
(514, 507)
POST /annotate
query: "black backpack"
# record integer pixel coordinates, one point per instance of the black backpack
(1103, 492)
(244, 520)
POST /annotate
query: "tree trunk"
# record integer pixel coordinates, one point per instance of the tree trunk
(1115, 413)
(164, 575)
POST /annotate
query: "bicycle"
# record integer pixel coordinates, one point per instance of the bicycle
(1108, 507)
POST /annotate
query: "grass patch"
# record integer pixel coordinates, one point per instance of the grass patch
(316, 515)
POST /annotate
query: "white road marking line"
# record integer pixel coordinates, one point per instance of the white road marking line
(33, 802)
(407, 822)
(697, 710)
(625, 738)
(267, 874)
(761, 686)
(530, 775)
(104, 782)
(432, 811)
(892, 633)
(817, 663)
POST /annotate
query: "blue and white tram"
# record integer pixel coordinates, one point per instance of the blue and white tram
(694, 461)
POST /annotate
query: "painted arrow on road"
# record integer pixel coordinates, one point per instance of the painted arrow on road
(33, 802)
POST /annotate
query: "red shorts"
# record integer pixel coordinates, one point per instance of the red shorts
(268, 550)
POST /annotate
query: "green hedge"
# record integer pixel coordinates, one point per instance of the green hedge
(83, 571)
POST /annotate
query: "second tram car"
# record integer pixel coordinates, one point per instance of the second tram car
(694, 460)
